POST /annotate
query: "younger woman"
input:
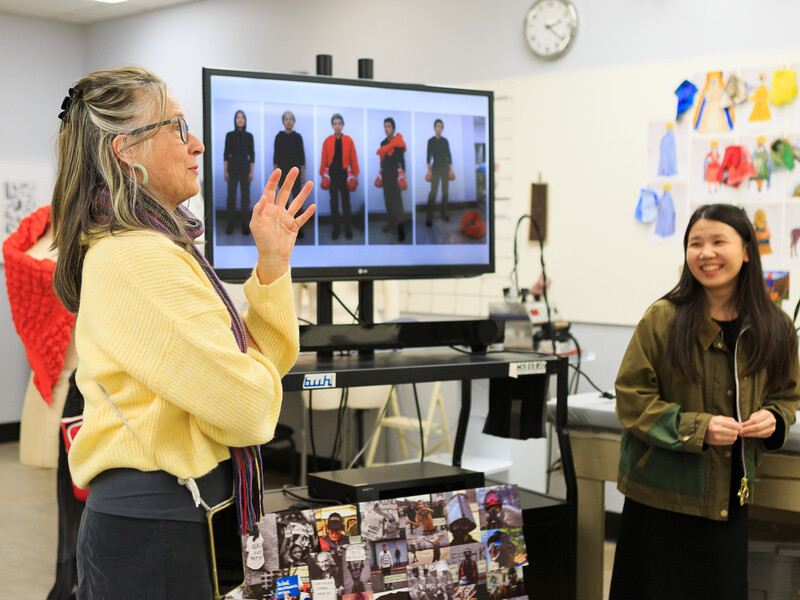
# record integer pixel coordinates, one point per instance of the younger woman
(710, 379)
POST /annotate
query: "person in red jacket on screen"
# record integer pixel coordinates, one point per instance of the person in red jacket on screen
(339, 171)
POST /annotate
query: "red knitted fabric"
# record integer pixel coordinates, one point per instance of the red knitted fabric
(42, 322)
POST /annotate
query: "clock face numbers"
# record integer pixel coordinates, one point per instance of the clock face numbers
(549, 27)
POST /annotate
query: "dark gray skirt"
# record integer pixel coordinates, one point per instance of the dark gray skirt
(125, 558)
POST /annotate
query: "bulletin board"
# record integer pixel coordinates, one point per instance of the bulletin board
(595, 137)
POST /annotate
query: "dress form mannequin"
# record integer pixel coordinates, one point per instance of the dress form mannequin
(46, 329)
(40, 427)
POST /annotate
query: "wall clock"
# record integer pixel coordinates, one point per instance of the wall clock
(549, 27)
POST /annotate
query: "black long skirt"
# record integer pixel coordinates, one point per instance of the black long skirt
(666, 555)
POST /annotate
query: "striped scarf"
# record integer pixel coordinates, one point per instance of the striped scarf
(248, 487)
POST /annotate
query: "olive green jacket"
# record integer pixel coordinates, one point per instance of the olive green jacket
(664, 462)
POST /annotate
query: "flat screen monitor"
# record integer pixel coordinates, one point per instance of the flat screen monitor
(402, 174)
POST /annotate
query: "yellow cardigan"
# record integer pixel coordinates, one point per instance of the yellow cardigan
(153, 333)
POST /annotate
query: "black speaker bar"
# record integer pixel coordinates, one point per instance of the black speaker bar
(478, 334)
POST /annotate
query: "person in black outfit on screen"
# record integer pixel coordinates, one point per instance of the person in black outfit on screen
(440, 168)
(289, 152)
(240, 159)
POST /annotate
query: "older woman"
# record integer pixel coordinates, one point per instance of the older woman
(175, 381)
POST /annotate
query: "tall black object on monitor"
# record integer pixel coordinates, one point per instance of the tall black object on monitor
(457, 243)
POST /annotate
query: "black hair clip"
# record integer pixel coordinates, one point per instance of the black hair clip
(73, 95)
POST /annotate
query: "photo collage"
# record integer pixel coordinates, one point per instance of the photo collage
(459, 545)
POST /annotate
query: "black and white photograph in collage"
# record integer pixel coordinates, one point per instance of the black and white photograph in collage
(296, 537)
(431, 582)
(325, 573)
(506, 584)
(499, 507)
(388, 562)
(379, 520)
(260, 552)
(355, 570)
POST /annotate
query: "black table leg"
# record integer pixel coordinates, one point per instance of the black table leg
(463, 421)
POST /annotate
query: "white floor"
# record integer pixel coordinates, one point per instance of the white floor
(28, 528)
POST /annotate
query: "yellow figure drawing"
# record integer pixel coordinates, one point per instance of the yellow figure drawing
(762, 232)
(761, 101)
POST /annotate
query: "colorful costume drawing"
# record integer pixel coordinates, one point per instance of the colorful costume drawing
(665, 220)
(784, 87)
(762, 232)
(735, 166)
(735, 92)
(762, 164)
(647, 207)
(710, 116)
(685, 93)
(783, 154)
(761, 101)
(711, 168)
(668, 159)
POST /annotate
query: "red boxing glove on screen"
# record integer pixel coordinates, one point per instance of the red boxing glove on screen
(452, 175)
(325, 184)
(352, 182)
(379, 179)
(401, 180)
(428, 175)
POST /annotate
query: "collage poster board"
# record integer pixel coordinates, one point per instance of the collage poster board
(458, 545)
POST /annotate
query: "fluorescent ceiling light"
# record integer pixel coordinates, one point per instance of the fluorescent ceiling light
(111, 1)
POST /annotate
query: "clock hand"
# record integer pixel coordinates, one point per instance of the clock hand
(554, 32)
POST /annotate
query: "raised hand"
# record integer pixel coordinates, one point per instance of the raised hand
(274, 225)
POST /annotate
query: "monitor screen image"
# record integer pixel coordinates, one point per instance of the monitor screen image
(402, 180)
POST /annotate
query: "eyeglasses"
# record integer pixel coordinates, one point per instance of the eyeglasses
(184, 128)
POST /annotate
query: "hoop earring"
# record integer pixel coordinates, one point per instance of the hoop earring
(138, 167)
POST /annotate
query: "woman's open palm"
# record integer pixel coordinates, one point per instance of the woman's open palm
(274, 225)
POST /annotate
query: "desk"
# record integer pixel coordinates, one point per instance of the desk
(418, 366)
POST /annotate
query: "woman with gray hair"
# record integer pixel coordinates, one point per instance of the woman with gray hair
(179, 387)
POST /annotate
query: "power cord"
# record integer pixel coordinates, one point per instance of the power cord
(574, 383)
(311, 431)
(344, 306)
(514, 272)
(337, 440)
(287, 491)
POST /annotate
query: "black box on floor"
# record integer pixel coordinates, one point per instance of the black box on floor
(390, 481)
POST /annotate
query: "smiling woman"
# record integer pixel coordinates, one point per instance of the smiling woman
(709, 380)
(176, 382)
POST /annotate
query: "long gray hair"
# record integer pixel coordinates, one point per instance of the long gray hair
(106, 104)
